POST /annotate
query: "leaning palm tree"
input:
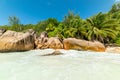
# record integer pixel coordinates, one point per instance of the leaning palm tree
(102, 28)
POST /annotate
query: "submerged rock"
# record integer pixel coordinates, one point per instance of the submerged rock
(53, 53)
(16, 41)
(78, 44)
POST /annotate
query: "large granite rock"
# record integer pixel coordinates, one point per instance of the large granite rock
(43, 34)
(41, 43)
(113, 49)
(53, 42)
(78, 44)
(41, 40)
(16, 41)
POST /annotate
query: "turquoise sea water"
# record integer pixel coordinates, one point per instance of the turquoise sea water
(72, 65)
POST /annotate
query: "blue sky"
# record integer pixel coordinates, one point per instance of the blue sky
(32, 11)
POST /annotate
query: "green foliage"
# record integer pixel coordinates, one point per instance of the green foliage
(58, 31)
(73, 26)
(102, 27)
(14, 23)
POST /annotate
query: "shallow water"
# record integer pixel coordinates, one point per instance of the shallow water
(72, 65)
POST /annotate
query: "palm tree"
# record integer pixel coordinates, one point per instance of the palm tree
(74, 26)
(102, 28)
